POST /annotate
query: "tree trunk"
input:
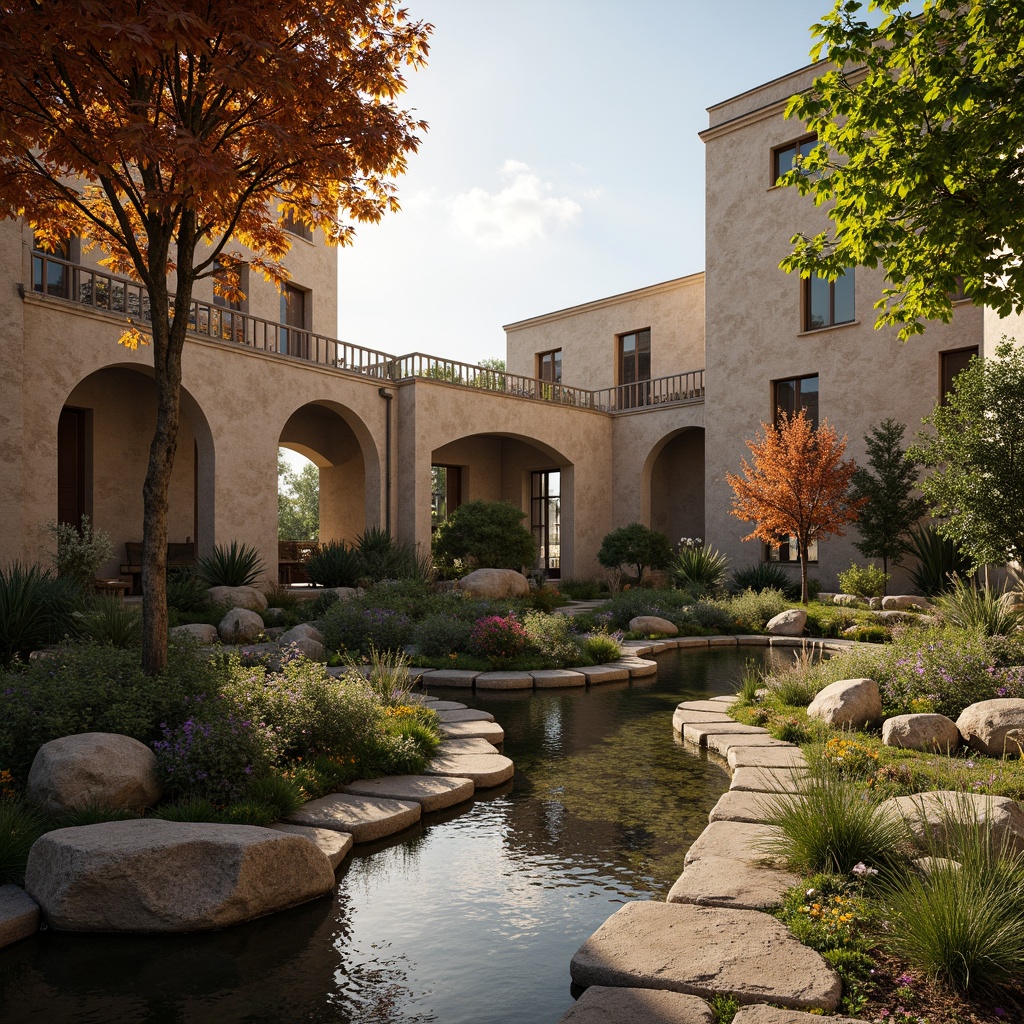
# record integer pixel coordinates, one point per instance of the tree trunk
(885, 575)
(803, 571)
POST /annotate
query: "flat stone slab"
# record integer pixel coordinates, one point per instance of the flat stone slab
(365, 818)
(19, 915)
(469, 715)
(762, 1014)
(712, 707)
(453, 677)
(485, 770)
(721, 743)
(736, 805)
(681, 718)
(691, 641)
(445, 705)
(703, 951)
(721, 641)
(749, 756)
(726, 882)
(752, 640)
(490, 731)
(504, 681)
(698, 733)
(466, 745)
(767, 780)
(603, 1005)
(733, 840)
(637, 667)
(334, 845)
(554, 678)
(431, 792)
(727, 699)
(610, 673)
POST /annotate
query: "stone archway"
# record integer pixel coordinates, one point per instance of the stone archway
(674, 478)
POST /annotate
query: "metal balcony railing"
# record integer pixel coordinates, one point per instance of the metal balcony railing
(58, 279)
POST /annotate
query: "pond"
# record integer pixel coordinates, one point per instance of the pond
(472, 916)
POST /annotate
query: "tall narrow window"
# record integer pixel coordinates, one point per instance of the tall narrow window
(445, 493)
(293, 317)
(296, 227)
(951, 364)
(72, 439)
(790, 396)
(48, 275)
(549, 366)
(785, 158)
(634, 368)
(222, 276)
(827, 303)
(546, 519)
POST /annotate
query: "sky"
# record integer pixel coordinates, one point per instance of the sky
(562, 162)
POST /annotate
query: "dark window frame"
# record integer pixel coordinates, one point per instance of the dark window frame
(556, 363)
(798, 146)
(798, 392)
(296, 227)
(945, 375)
(807, 296)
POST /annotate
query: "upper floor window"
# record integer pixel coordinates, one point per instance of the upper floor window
(952, 363)
(296, 227)
(785, 158)
(549, 366)
(49, 276)
(827, 303)
(635, 356)
(225, 267)
(294, 314)
(790, 396)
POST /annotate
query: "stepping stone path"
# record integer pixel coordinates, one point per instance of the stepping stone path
(762, 1014)
(601, 1005)
(485, 770)
(335, 846)
(431, 792)
(490, 731)
(469, 715)
(544, 679)
(703, 951)
(19, 915)
(364, 818)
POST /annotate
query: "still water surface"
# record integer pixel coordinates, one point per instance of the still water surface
(472, 916)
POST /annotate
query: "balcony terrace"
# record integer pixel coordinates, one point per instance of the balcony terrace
(61, 281)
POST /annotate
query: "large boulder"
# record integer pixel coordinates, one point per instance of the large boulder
(791, 622)
(994, 727)
(495, 584)
(150, 875)
(240, 626)
(201, 631)
(303, 631)
(848, 703)
(94, 768)
(932, 814)
(846, 599)
(653, 624)
(239, 597)
(307, 646)
(934, 733)
(903, 602)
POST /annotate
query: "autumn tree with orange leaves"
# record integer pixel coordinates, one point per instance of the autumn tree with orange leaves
(797, 486)
(168, 132)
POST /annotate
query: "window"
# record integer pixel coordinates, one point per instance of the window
(546, 519)
(549, 366)
(293, 318)
(950, 364)
(445, 493)
(827, 303)
(790, 396)
(788, 550)
(225, 265)
(785, 158)
(634, 368)
(49, 276)
(296, 227)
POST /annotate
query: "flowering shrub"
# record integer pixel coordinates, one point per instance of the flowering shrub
(214, 752)
(499, 638)
(827, 913)
(848, 758)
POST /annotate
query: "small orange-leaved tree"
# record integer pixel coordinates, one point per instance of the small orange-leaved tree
(797, 486)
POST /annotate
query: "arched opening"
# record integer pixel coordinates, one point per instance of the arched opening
(527, 473)
(676, 471)
(338, 444)
(104, 432)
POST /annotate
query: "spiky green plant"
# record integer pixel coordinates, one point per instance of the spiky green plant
(335, 564)
(764, 576)
(938, 559)
(108, 620)
(20, 826)
(36, 608)
(238, 565)
(980, 608)
(699, 568)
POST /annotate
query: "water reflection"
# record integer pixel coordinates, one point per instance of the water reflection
(471, 916)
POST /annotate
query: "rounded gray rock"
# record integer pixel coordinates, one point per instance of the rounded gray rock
(201, 631)
(788, 623)
(239, 597)
(100, 768)
(930, 815)
(994, 727)
(495, 584)
(932, 733)
(240, 626)
(648, 624)
(303, 631)
(150, 875)
(848, 703)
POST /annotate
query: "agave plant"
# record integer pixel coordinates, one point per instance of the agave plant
(35, 609)
(699, 568)
(335, 565)
(239, 565)
(937, 560)
(109, 620)
(764, 576)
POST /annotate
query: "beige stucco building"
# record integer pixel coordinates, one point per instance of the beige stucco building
(631, 407)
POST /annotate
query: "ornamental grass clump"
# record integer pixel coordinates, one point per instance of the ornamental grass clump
(832, 825)
(980, 609)
(21, 825)
(238, 565)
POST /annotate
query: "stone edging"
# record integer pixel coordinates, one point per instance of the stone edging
(726, 887)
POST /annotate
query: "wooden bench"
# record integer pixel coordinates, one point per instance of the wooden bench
(178, 556)
(292, 556)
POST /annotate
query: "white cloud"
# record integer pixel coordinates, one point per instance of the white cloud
(524, 211)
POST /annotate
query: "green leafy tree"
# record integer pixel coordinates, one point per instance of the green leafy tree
(977, 454)
(636, 546)
(298, 501)
(487, 534)
(886, 484)
(922, 124)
